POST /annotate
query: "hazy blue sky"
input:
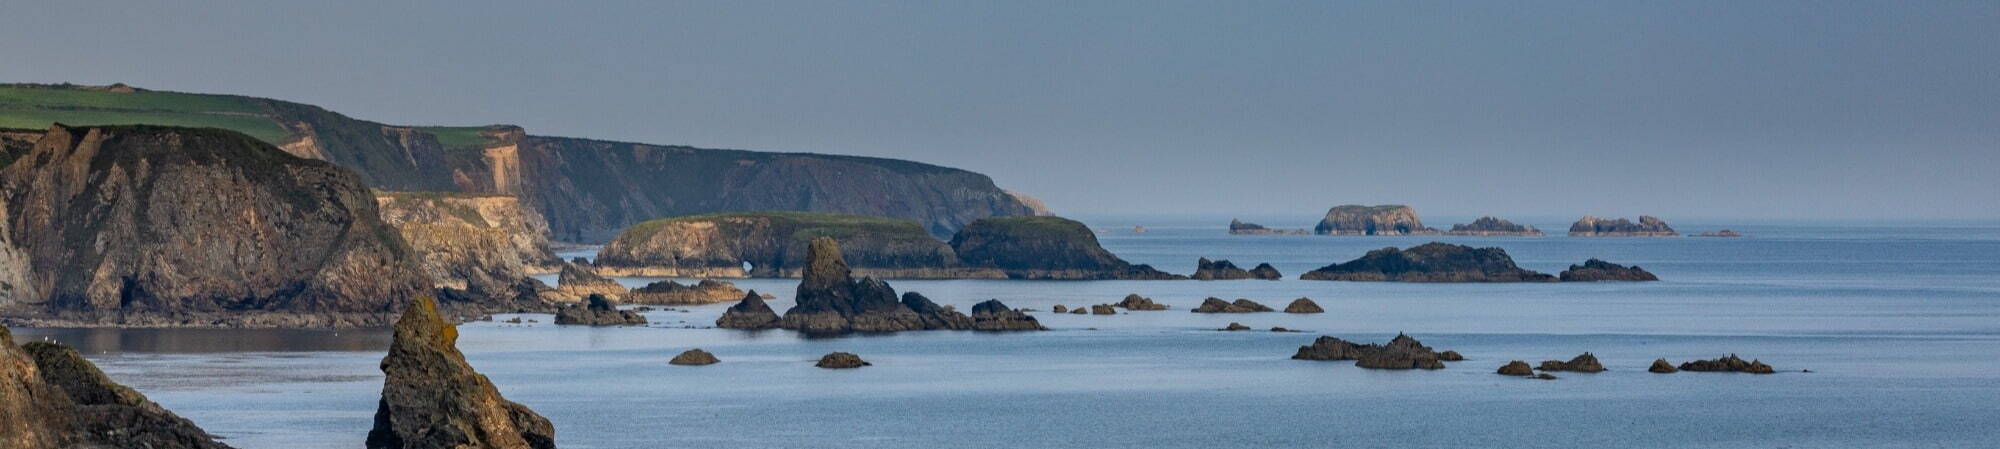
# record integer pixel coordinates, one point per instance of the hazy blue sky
(1699, 109)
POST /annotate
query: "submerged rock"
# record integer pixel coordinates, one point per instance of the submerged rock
(668, 292)
(1389, 219)
(1430, 262)
(1493, 227)
(1648, 226)
(749, 313)
(694, 357)
(841, 360)
(1136, 302)
(1728, 364)
(1662, 366)
(1206, 270)
(1516, 368)
(1217, 305)
(598, 310)
(432, 399)
(1585, 363)
(1303, 305)
(1597, 270)
(992, 315)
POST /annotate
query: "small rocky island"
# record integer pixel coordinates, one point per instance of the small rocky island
(1430, 262)
(598, 310)
(1725, 233)
(1388, 219)
(1493, 227)
(1239, 227)
(1206, 270)
(668, 292)
(831, 302)
(1648, 226)
(1728, 364)
(432, 399)
(1597, 270)
(1402, 352)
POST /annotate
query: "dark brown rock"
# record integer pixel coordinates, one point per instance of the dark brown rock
(432, 399)
(1430, 262)
(694, 357)
(1516, 368)
(668, 292)
(34, 414)
(1585, 363)
(1059, 308)
(1451, 356)
(1303, 305)
(1217, 305)
(598, 310)
(1402, 352)
(1102, 309)
(841, 360)
(1234, 326)
(749, 313)
(1079, 310)
(1136, 302)
(992, 315)
(111, 414)
(1044, 248)
(829, 301)
(1648, 226)
(1662, 366)
(1206, 270)
(1494, 227)
(1728, 364)
(935, 316)
(1597, 270)
(1390, 219)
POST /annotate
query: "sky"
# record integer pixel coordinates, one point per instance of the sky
(1768, 109)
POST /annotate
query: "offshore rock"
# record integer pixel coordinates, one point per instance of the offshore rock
(432, 399)
(1430, 262)
(1238, 227)
(1206, 270)
(830, 301)
(1451, 356)
(482, 243)
(841, 360)
(1722, 233)
(1728, 364)
(1516, 368)
(598, 310)
(1136, 302)
(992, 315)
(1235, 326)
(1389, 219)
(668, 292)
(1217, 305)
(1102, 309)
(578, 282)
(750, 313)
(1493, 227)
(1585, 363)
(935, 316)
(694, 357)
(1648, 226)
(1303, 305)
(1079, 310)
(1662, 366)
(1597, 270)
(1043, 248)
(1402, 352)
(1059, 308)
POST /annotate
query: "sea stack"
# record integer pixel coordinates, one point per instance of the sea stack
(1648, 226)
(830, 301)
(1430, 262)
(432, 399)
(598, 310)
(1388, 219)
(751, 313)
(992, 315)
(1493, 227)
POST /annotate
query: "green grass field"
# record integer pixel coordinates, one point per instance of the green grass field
(37, 107)
(457, 136)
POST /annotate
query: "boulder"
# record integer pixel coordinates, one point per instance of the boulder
(579, 282)
(1728, 363)
(992, 315)
(668, 292)
(1403, 352)
(1585, 363)
(1136, 302)
(749, 313)
(432, 399)
(1235, 326)
(1662, 366)
(1043, 248)
(1102, 309)
(1430, 262)
(1545, 376)
(694, 357)
(1516, 368)
(1493, 227)
(1206, 270)
(1648, 226)
(1597, 270)
(841, 360)
(1303, 305)
(1389, 219)
(1217, 305)
(598, 310)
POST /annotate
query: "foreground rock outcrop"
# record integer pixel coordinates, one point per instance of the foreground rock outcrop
(1728, 363)
(432, 399)
(1241, 305)
(1402, 352)
(1597, 270)
(52, 398)
(1239, 227)
(1206, 270)
(598, 310)
(751, 313)
(482, 243)
(1303, 305)
(1430, 262)
(1585, 363)
(1388, 219)
(1648, 226)
(1493, 227)
(774, 244)
(1043, 248)
(157, 226)
(668, 292)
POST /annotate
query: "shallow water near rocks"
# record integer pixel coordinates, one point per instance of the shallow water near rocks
(1899, 324)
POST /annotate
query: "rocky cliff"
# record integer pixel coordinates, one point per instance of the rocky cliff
(156, 226)
(477, 242)
(1043, 248)
(432, 399)
(1648, 226)
(774, 244)
(53, 398)
(1430, 262)
(1494, 227)
(1389, 219)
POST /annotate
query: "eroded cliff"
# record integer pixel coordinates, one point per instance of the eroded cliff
(478, 242)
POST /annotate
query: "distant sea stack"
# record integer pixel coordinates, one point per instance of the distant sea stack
(482, 243)
(774, 244)
(1430, 262)
(1043, 248)
(1238, 227)
(1648, 226)
(1391, 219)
(195, 227)
(1493, 227)
(432, 399)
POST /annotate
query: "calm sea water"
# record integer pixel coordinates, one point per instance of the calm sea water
(1898, 323)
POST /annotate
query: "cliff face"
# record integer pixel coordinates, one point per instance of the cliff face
(1391, 219)
(1648, 226)
(145, 226)
(1044, 248)
(775, 245)
(1430, 262)
(1494, 227)
(481, 243)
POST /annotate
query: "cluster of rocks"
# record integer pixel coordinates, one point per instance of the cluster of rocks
(1648, 226)
(1728, 363)
(1241, 305)
(1587, 363)
(1388, 219)
(1402, 352)
(1239, 227)
(1597, 270)
(1136, 302)
(1520, 368)
(598, 310)
(52, 398)
(1206, 270)
(1493, 227)
(1430, 262)
(830, 302)
(668, 292)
